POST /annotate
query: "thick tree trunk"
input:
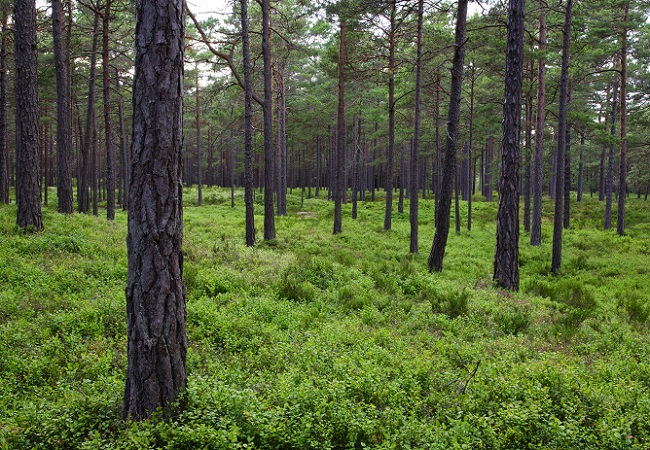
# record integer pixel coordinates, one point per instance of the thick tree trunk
(63, 111)
(415, 150)
(248, 128)
(4, 148)
(110, 152)
(506, 258)
(28, 188)
(558, 221)
(538, 172)
(622, 172)
(444, 208)
(269, 218)
(155, 296)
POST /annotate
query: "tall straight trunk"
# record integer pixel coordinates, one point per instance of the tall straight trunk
(155, 295)
(47, 149)
(558, 221)
(281, 143)
(506, 257)
(581, 167)
(85, 181)
(63, 111)
(609, 181)
(538, 172)
(319, 169)
(339, 152)
(438, 169)
(470, 173)
(390, 151)
(622, 171)
(28, 183)
(444, 208)
(110, 153)
(4, 148)
(94, 172)
(489, 155)
(124, 155)
(567, 178)
(199, 162)
(457, 199)
(528, 148)
(269, 218)
(402, 176)
(415, 148)
(356, 157)
(248, 128)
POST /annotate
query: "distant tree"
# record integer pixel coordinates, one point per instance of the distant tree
(64, 112)
(155, 296)
(449, 170)
(28, 182)
(558, 221)
(506, 258)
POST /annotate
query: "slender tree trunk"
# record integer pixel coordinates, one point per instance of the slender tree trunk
(199, 162)
(609, 181)
(581, 167)
(155, 295)
(470, 174)
(506, 258)
(567, 178)
(402, 176)
(248, 128)
(390, 151)
(489, 155)
(444, 208)
(528, 147)
(339, 171)
(538, 172)
(28, 188)
(622, 172)
(110, 153)
(438, 169)
(4, 148)
(355, 165)
(415, 149)
(64, 116)
(269, 218)
(556, 262)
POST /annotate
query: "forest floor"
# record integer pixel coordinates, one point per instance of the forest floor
(321, 341)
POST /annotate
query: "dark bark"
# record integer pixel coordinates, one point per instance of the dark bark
(470, 173)
(528, 148)
(538, 172)
(281, 144)
(438, 159)
(402, 176)
(489, 155)
(108, 126)
(622, 171)
(63, 111)
(609, 180)
(566, 215)
(199, 162)
(506, 258)
(444, 208)
(356, 161)
(390, 151)
(415, 148)
(581, 167)
(157, 342)
(28, 183)
(269, 218)
(4, 148)
(339, 152)
(558, 222)
(248, 128)
(94, 173)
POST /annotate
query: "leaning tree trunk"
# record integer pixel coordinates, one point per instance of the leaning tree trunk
(538, 172)
(4, 148)
(63, 111)
(110, 154)
(28, 183)
(622, 172)
(155, 296)
(248, 129)
(449, 171)
(415, 148)
(558, 221)
(506, 258)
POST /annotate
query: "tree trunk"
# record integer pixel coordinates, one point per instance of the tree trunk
(538, 172)
(609, 181)
(269, 218)
(528, 146)
(199, 162)
(4, 148)
(622, 172)
(559, 169)
(402, 176)
(110, 153)
(155, 296)
(355, 165)
(581, 167)
(415, 148)
(567, 178)
(444, 208)
(506, 258)
(63, 111)
(339, 151)
(489, 155)
(248, 129)
(470, 173)
(28, 188)
(390, 151)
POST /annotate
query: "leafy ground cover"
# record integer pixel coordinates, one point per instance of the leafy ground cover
(320, 341)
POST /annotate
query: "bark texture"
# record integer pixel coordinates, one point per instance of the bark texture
(449, 171)
(415, 148)
(4, 149)
(248, 128)
(108, 126)
(269, 218)
(538, 171)
(622, 170)
(157, 343)
(28, 167)
(63, 111)
(339, 152)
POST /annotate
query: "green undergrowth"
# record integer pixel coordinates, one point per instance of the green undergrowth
(314, 341)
